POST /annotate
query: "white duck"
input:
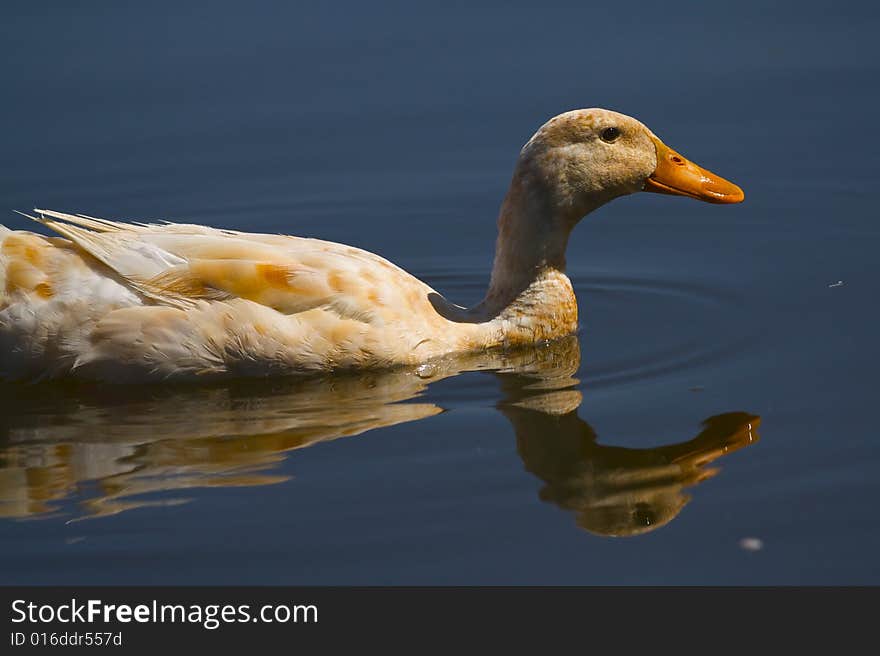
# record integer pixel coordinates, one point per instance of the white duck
(130, 302)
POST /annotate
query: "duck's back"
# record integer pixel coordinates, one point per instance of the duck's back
(129, 302)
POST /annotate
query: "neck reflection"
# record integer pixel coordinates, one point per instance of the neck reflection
(124, 444)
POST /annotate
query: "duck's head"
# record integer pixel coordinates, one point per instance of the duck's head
(581, 159)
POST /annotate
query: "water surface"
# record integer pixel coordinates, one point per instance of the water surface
(719, 394)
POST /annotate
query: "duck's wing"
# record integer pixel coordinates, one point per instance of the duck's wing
(180, 265)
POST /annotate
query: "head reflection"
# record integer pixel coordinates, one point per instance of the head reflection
(128, 443)
(612, 491)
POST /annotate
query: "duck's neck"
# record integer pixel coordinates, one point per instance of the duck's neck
(529, 289)
(531, 240)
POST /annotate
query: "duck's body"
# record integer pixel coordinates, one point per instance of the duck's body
(129, 302)
(183, 301)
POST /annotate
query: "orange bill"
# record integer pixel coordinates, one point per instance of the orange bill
(678, 176)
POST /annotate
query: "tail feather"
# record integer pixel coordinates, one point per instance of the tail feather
(82, 220)
(119, 246)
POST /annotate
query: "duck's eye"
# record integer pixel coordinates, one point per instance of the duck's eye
(610, 135)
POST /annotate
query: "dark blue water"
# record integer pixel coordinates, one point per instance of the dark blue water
(713, 422)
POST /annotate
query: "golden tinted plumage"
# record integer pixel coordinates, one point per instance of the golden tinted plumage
(133, 302)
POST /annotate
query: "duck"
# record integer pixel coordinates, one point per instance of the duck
(128, 302)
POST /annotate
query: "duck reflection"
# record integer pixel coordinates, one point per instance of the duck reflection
(114, 447)
(616, 491)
